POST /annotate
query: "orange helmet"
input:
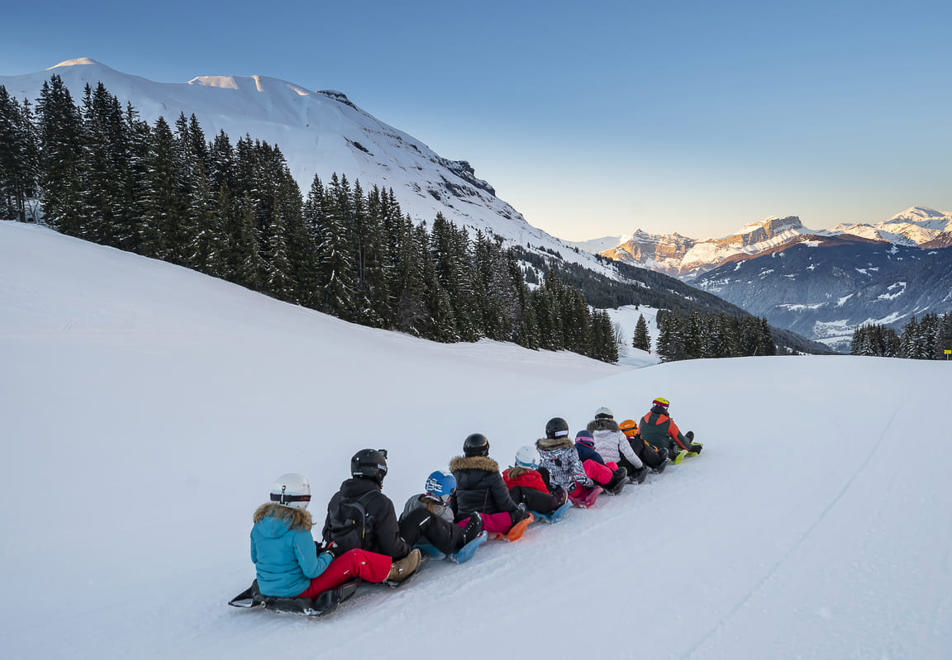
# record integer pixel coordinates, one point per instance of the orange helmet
(630, 428)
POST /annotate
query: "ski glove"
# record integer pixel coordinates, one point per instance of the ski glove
(333, 550)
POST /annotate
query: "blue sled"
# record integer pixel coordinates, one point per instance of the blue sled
(555, 516)
(463, 554)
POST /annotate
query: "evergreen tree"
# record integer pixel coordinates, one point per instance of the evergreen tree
(641, 339)
(60, 131)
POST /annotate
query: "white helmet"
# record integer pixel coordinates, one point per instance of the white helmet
(527, 457)
(291, 490)
(604, 412)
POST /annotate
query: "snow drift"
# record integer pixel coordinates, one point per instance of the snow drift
(145, 409)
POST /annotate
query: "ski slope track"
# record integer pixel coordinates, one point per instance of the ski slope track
(145, 410)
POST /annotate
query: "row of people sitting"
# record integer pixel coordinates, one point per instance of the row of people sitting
(363, 538)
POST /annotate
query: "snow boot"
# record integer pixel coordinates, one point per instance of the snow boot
(617, 482)
(660, 468)
(639, 475)
(403, 568)
(473, 528)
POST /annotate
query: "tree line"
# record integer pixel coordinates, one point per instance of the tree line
(708, 336)
(97, 171)
(925, 339)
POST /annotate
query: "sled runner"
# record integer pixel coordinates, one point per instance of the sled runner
(516, 531)
(325, 602)
(463, 554)
(555, 516)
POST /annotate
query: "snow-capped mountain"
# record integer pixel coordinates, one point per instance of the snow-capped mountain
(914, 226)
(686, 257)
(824, 287)
(319, 132)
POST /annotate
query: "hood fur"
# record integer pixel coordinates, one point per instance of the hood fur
(474, 463)
(295, 517)
(543, 444)
(602, 425)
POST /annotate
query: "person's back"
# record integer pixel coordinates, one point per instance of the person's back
(283, 550)
(379, 531)
(479, 485)
(659, 430)
(613, 445)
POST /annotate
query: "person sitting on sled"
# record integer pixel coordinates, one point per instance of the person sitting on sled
(607, 475)
(612, 444)
(481, 489)
(289, 564)
(558, 455)
(529, 484)
(428, 517)
(650, 455)
(359, 515)
(659, 430)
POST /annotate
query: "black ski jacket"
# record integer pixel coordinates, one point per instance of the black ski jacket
(385, 536)
(479, 487)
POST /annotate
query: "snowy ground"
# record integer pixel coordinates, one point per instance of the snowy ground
(145, 409)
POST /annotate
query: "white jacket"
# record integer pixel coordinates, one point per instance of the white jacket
(612, 443)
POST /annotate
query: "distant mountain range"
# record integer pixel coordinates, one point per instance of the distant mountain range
(824, 287)
(686, 257)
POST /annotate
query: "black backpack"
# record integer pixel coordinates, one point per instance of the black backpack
(350, 525)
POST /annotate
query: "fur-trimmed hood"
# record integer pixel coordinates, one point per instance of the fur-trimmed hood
(284, 517)
(604, 424)
(483, 463)
(548, 444)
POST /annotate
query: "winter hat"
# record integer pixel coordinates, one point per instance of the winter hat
(661, 401)
(604, 413)
(584, 433)
(527, 457)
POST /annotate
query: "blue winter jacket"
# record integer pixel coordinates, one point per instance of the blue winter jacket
(285, 559)
(587, 452)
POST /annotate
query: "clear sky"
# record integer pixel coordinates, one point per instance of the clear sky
(591, 118)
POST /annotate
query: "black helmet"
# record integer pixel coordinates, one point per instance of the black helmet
(476, 445)
(556, 428)
(369, 464)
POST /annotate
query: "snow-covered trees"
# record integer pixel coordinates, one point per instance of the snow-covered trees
(924, 339)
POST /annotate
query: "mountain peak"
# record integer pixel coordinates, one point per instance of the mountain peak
(79, 61)
(918, 213)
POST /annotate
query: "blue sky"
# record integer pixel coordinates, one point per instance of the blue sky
(591, 118)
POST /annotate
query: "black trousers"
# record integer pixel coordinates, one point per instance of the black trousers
(535, 500)
(421, 524)
(649, 454)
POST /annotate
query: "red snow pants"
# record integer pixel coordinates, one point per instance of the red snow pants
(597, 472)
(356, 563)
(494, 523)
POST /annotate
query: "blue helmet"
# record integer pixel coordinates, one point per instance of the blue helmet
(440, 485)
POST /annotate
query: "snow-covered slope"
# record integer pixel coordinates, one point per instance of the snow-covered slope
(319, 132)
(145, 409)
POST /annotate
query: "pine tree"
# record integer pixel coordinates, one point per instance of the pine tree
(641, 339)
(60, 131)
